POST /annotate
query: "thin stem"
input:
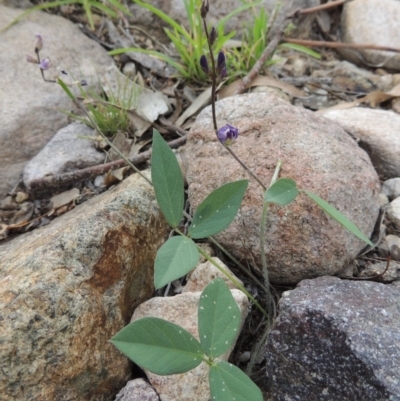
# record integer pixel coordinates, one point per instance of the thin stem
(233, 279)
(213, 78)
(244, 166)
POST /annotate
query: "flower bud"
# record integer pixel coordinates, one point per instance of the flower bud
(205, 6)
(213, 36)
(31, 59)
(228, 134)
(45, 64)
(221, 64)
(204, 64)
(39, 43)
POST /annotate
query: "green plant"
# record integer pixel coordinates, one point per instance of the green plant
(108, 7)
(165, 348)
(110, 111)
(189, 44)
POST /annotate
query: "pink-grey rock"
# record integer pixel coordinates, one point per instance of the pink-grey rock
(31, 109)
(182, 310)
(206, 272)
(137, 390)
(372, 22)
(335, 340)
(391, 188)
(393, 212)
(301, 241)
(68, 287)
(377, 132)
(70, 149)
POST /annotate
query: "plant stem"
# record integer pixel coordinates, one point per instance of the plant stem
(232, 278)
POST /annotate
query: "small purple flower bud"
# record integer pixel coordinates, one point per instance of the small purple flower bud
(223, 72)
(204, 64)
(228, 134)
(205, 6)
(45, 64)
(213, 36)
(31, 59)
(39, 43)
(221, 64)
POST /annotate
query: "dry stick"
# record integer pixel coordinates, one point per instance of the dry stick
(341, 45)
(63, 180)
(267, 53)
(325, 6)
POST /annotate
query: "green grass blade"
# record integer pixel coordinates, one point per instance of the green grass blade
(218, 210)
(181, 69)
(219, 319)
(159, 346)
(119, 6)
(282, 192)
(66, 89)
(167, 180)
(165, 18)
(335, 214)
(236, 11)
(177, 257)
(104, 9)
(302, 49)
(229, 383)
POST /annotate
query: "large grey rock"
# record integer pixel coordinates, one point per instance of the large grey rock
(218, 10)
(376, 131)
(301, 241)
(67, 288)
(372, 22)
(30, 109)
(335, 340)
(70, 149)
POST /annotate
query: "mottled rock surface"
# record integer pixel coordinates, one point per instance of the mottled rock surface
(391, 188)
(372, 21)
(70, 149)
(377, 132)
(218, 9)
(137, 390)
(393, 213)
(335, 340)
(301, 241)
(67, 288)
(30, 109)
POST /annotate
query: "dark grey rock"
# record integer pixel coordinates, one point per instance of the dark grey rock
(336, 340)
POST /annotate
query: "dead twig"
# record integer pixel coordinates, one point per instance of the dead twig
(341, 45)
(322, 7)
(66, 179)
(267, 53)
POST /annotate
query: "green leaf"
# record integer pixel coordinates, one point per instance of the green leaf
(66, 89)
(219, 318)
(229, 383)
(159, 346)
(302, 49)
(178, 256)
(167, 180)
(282, 192)
(218, 210)
(334, 213)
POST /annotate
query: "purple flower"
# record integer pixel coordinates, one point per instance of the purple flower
(228, 134)
(221, 64)
(39, 43)
(204, 64)
(45, 64)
